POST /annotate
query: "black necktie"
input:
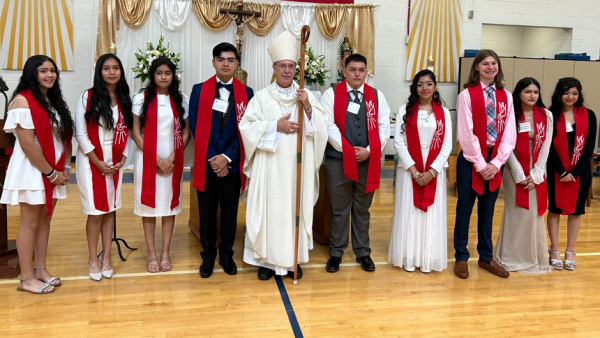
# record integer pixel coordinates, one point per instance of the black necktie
(356, 96)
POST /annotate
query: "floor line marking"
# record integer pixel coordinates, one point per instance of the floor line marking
(288, 308)
(188, 272)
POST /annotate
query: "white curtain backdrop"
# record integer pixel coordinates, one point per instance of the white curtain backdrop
(294, 16)
(172, 14)
(195, 43)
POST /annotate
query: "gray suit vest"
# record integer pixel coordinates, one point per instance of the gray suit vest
(356, 127)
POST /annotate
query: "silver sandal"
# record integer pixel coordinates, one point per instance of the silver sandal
(556, 264)
(50, 280)
(40, 291)
(570, 263)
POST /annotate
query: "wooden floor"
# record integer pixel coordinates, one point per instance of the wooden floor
(351, 303)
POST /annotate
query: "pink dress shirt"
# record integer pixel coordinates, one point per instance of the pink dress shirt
(470, 143)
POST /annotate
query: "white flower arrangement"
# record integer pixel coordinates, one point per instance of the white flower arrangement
(144, 59)
(314, 69)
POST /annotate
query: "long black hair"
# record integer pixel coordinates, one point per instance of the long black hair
(174, 92)
(29, 80)
(100, 111)
(517, 103)
(562, 86)
(413, 99)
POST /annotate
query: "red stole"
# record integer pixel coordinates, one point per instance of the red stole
(43, 130)
(566, 192)
(423, 197)
(149, 159)
(349, 154)
(204, 123)
(478, 109)
(119, 142)
(523, 156)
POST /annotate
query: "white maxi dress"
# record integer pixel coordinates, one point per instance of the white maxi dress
(418, 238)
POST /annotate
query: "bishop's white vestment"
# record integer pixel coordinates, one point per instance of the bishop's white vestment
(271, 170)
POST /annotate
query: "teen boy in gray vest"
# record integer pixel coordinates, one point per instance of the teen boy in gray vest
(359, 127)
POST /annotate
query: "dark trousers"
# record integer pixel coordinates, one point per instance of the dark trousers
(464, 208)
(348, 198)
(224, 191)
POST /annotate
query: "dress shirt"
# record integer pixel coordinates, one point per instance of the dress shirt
(470, 143)
(223, 92)
(383, 116)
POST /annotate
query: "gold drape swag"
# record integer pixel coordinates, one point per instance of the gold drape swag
(135, 12)
(357, 21)
(207, 12)
(269, 14)
(360, 28)
(108, 25)
(330, 19)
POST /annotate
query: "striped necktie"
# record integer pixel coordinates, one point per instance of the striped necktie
(490, 109)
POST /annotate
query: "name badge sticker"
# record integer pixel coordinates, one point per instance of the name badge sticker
(423, 114)
(220, 105)
(524, 127)
(353, 107)
(569, 127)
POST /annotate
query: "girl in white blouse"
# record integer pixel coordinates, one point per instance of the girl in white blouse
(39, 167)
(102, 120)
(423, 141)
(160, 131)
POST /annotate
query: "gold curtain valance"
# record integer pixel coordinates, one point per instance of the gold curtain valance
(269, 14)
(330, 19)
(207, 12)
(108, 25)
(360, 28)
(135, 12)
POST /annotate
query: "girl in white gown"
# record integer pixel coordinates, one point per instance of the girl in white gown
(39, 167)
(161, 131)
(102, 120)
(418, 237)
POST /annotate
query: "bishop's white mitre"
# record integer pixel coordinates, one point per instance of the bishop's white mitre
(284, 47)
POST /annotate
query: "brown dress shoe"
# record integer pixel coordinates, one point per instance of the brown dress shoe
(461, 269)
(494, 268)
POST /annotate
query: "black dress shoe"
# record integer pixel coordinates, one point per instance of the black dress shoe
(333, 264)
(206, 269)
(265, 274)
(228, 265)
(291, 273)
(366, 263)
